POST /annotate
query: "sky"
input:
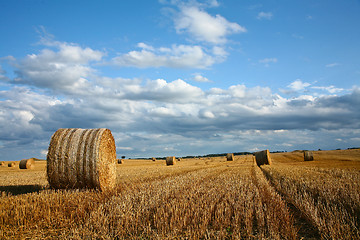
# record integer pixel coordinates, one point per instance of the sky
(179, 78)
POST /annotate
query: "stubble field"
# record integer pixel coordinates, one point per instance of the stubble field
(207, 198)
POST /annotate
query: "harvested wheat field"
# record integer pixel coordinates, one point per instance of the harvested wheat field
(206, 198)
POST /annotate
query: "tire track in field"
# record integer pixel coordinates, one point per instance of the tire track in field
(273, 217)
(306, 228)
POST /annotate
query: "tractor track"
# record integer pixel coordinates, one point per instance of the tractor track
(306, 229)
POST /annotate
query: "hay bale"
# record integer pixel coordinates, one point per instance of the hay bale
(170, 161)
(82, 158)
(120, 161)
(263, 157)
(11, 164)
(230, 157)
(153, 159)
(179, 159)
(27, 163)
(308, 156)
(2, 164)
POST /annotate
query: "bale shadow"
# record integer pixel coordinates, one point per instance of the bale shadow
(21, 189)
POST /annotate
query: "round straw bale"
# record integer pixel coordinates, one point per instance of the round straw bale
(170, 161)
(27, 163)
(11, 164)
(2, 164)
(154, 159)
(230, 157)
(120, 161)
(82, 158)
(308, 156)
(263, 157)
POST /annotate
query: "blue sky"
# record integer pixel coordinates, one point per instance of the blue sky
(180, 78)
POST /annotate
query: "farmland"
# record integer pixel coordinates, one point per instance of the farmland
(206, 198)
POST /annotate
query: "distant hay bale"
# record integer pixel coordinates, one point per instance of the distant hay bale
(82, 158)
(2, 164)
(308, 156)
(27, 163)
(153, 159)
(11, 164)
(170, 161)
(120, 161)
(179, 159)
(230, 157)
(263, 157)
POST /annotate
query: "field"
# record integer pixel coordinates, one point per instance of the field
(207, 198)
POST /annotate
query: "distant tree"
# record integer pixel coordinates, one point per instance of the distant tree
(122, 157)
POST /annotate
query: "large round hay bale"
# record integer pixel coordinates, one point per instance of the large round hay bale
(11, 164)
(82, 158)
(153, 159)
(2, 164)
(263, 157)
(120, 161)
(27, 163)
(230, 157)
(308, 156)
(170, 161)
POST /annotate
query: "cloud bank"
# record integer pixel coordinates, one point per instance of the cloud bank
(59, 88)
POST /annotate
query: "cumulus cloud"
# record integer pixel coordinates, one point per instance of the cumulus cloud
(177, 56)
(200, 78)
(157, 117)
(3, 75)
(204, 27)
(64, 68)
(265, 15)
(142, 115)
(330, 89)
(298, 85)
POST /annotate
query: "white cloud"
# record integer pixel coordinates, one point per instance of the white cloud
(330, 89)
(265, 15)
(156, 117)
(3, 76)
(206, 114)
(214, 3)
(298, 85)
(64, 69)
(200, 78)
(178, 56)
(204, 27)
(330, 65)
(267, 61)
(180, 113)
